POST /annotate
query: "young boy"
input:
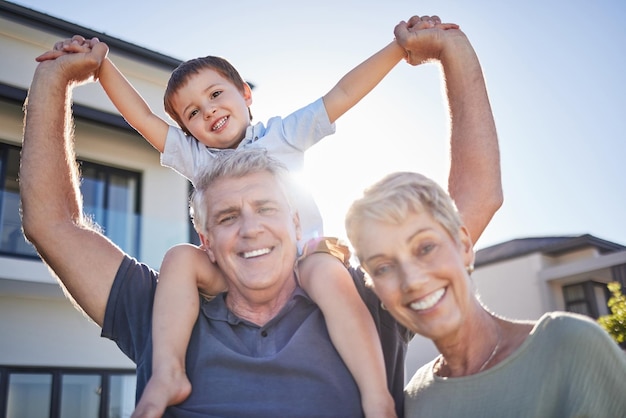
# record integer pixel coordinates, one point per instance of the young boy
(210, 102)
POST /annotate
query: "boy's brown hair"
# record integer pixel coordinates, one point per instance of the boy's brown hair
(181, 75)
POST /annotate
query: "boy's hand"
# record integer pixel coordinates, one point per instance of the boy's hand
(78, 58)
(75, 44)
(422, 38)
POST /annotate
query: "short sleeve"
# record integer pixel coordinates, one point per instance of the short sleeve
(128, 314)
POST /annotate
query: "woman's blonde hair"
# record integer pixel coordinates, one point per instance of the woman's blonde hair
(397, 195)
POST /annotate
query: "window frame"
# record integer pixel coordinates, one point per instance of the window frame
(589, 288)
(56, 390)
(108, 172)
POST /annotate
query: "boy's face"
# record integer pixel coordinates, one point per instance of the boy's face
(213, 109)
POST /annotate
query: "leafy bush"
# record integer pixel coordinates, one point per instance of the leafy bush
(615, 323)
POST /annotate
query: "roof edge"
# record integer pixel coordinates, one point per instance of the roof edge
(552, 246)
(18, 96)
(64, 28)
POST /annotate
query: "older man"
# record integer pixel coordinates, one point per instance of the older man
(262, 349)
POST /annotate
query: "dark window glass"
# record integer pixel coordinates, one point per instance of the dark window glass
(111, 197)
(12, 239)
(586, 298)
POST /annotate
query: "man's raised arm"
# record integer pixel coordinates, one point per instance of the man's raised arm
(474, 182)
(83, 259)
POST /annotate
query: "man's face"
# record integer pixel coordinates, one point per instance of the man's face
(252, 234)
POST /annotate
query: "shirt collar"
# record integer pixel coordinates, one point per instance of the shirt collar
(216, 309)
(253, 133)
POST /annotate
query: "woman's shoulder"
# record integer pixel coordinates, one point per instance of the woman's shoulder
(422, 379)
(568, 327)
(562, 319)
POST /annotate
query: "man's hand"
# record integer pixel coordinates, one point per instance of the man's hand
(77, 59)
(423, 38)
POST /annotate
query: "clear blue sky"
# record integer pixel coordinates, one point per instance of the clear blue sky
(555, 70)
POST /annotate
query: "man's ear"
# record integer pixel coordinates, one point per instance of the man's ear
(207, 246)
(296, 222)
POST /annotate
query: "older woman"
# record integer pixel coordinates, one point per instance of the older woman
(418, 258)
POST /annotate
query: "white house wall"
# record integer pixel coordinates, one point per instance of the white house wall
(511, 288)
(51, 332)
(38, 325)
(19, 45)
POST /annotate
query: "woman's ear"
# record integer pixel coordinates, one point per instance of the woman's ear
(467, 246)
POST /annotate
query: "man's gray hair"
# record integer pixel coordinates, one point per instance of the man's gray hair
(235, 164)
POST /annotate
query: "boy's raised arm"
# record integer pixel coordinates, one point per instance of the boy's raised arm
(123, 95)
(364, 77)
(132, 106)
(361, 80)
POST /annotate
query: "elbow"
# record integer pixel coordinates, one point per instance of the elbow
(496, 200)
(29, 232)
(29, 222)
(492, 196)
(492, 202)
(34, 230)
(44, 228)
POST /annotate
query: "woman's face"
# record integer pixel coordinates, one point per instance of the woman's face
(419, 272)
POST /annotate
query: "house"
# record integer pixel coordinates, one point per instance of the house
(54, 363)
(51, 358)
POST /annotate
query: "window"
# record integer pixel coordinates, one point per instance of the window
(29, 395)
(110, 196)
(586, 298)
(121, 404)
(12, 240)
(66, 393)
(80, 395)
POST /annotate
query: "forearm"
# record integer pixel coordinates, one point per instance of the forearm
(361, 80)
(131, 105)
(46, 134)
(474, 182)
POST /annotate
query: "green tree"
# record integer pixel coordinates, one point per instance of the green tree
(615, 323)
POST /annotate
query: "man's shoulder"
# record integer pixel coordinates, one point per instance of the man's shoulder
(128, 313)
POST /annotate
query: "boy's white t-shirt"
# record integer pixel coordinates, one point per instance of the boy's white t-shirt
(286, 139)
